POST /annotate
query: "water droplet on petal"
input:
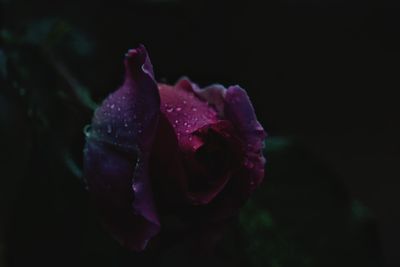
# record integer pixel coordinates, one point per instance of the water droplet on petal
(112, 106)
(178, 109)
(87, 129)
(194, 109)
(109, 129)
(248, 164)
(170, 109)
(135, 188)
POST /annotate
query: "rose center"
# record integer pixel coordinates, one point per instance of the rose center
(209, 163)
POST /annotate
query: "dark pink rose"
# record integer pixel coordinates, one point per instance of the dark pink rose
(157, 152)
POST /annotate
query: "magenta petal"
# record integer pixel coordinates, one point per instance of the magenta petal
(117, 154)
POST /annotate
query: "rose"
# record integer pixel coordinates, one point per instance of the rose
(155, 152)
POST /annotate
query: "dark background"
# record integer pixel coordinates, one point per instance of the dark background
(321, 75)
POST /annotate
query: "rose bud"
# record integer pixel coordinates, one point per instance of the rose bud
(158, 153)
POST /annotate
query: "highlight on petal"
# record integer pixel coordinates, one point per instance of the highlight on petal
(117, 154)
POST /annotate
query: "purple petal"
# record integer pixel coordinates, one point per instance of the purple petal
(239, 110)
(118, 150)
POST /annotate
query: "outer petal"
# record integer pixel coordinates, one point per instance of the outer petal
(239, 110)
(117, 154)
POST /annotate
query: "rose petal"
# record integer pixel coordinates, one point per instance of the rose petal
(214, 95)
(226, 142)
(234, 105)
(118, 150)
(109, 176)
(184, 110)
(169, 178)
(239, 110)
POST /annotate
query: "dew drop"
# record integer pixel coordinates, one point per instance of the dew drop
(126, 125)
(248, 164)
(112, 106)
(109, 129)
(169, 110)
(87, 129)
(194, 109)
(176, 121)
(178, 109)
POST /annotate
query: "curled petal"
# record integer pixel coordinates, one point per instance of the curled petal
(239, 110)
(233, 104)
(117, 154)
(214, 95)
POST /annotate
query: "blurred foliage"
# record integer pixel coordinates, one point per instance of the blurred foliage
(3, 65)
(33, 66)
(302, 215)
(43, 108)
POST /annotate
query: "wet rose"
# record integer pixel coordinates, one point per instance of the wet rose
(156, 151)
